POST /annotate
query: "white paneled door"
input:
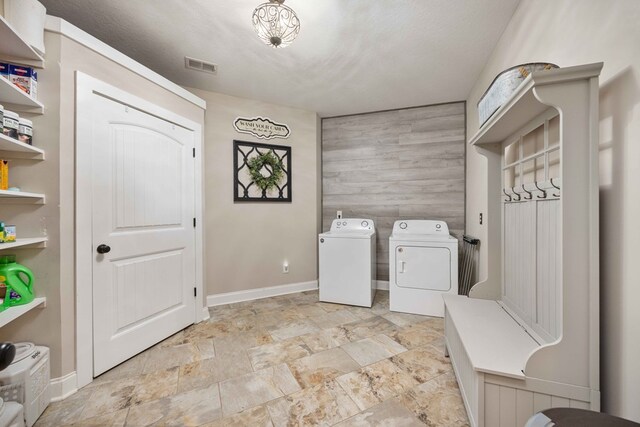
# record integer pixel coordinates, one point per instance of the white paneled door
(143, 231)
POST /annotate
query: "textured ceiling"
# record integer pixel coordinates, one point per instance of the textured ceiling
(351, 56)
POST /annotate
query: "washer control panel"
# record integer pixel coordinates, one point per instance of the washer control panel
(352, 224)
(419, 226)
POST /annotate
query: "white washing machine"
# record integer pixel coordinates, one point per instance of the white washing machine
(348, 262)
(423, 265)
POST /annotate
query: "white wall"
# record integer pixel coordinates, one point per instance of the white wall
(569, 32)
(246, 243)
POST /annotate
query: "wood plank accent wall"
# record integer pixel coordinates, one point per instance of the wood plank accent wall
(399, 164)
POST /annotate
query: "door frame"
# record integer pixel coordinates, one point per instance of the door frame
(86, 87)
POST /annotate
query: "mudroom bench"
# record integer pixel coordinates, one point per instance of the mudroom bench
(527, 338)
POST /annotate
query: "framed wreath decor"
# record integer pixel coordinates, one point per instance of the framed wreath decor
(262, 172)
(272, 164)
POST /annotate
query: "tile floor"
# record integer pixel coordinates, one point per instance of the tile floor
(281, 361)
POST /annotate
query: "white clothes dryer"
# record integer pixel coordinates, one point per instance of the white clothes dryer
(423, 265)
(348, 262)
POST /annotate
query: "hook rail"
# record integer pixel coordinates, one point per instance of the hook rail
(515, 196)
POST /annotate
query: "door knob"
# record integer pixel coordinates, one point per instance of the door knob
(104, 249)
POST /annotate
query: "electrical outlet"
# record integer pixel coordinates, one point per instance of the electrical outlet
(285, 267)
(339, 215)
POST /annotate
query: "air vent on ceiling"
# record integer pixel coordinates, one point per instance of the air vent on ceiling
(200, 65)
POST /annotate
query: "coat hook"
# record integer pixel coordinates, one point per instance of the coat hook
(528, 192)
(544, 193)
(516, 193)
(554, 186)
(508, 195)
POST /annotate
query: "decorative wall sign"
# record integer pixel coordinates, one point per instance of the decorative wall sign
(262, 172)
(261, 127)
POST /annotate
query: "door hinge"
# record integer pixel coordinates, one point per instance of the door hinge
(194, 223)
(195, 292)
(194, 152)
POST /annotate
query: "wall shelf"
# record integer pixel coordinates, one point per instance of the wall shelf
(21, 197)
(16, 100)
(15, 49)
(12, 313)
(14, 149)
(523, 106)
(34, 242)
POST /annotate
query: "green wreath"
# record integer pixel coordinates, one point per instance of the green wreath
(255, 165)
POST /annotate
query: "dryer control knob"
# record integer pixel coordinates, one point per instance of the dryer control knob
(403, 225)
(365, 223)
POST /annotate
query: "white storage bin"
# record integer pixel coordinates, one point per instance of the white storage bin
(26, 381)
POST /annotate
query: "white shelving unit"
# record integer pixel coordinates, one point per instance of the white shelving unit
(21, 197)
(32, 242)
(16, 100)
(13, 149)
(14, 49)
(12, 313)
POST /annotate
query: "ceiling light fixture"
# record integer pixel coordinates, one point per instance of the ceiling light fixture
(276, 24)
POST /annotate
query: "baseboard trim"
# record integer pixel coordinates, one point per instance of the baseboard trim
(253, 294)
(382, 285)
(63, 387)
(205, 314)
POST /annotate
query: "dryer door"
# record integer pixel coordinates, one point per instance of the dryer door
(423, 267)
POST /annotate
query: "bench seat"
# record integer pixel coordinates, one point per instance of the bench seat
(494, 342)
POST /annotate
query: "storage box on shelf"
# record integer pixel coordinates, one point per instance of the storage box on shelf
(533, 342)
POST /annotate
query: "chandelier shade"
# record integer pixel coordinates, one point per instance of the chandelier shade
(276, 24)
